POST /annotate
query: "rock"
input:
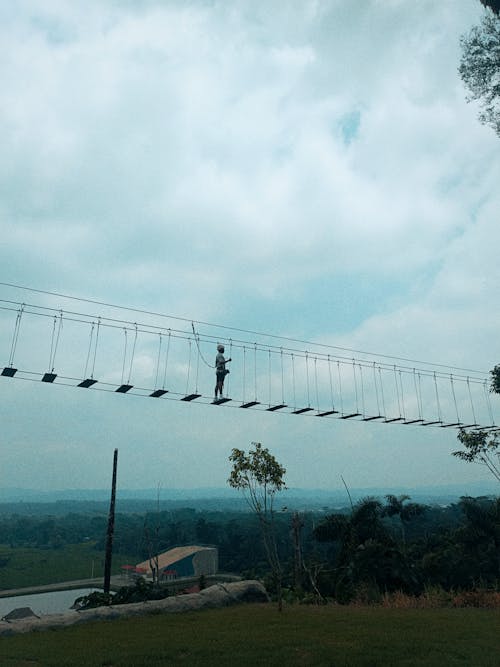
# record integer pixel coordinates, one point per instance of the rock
(218, 595)
(19, 614)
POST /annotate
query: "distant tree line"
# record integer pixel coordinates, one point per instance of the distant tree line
(377, 545)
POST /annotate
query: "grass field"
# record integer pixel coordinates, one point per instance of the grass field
(260, 635)
(33, 567)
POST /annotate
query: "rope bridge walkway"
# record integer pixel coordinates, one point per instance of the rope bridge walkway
(170, 358)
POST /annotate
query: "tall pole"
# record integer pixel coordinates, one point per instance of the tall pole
(111, 528)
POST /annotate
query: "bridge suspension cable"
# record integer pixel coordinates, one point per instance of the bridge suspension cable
(456, 400)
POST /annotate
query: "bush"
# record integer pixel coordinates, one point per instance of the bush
(140, 592)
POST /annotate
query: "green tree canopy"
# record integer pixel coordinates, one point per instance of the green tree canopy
(480, 66)
(259, 476)
(495, 379)
(480, 447)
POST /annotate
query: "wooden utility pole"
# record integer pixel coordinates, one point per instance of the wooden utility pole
(111, 528)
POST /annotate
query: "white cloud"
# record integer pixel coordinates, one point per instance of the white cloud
(276, 161)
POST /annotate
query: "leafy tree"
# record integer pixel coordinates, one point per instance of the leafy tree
(495, 380)
(259, 476)
(397, 506)
(368, 556)
(480, 65)
(480, 534)
(480, 447)
(494, 5)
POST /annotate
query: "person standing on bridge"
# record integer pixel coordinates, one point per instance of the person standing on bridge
(220, 370)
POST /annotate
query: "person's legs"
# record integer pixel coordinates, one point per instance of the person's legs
(219, 385)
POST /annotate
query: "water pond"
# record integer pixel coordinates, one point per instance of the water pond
(55, 602)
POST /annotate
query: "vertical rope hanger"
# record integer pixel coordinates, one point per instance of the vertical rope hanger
(88, 380)
(382, 391)
(340, 389)
(390, 420)
(126, 386)
(166, 360)
(255, 370)
(397, 391)
(132, 356)
(95, 347)
(377, 415)
(197, 374)
(356, 412)
(278, 406)
(458, 422)
(488, 403)
(189, 367)
(418, 399)
(124, 354)
(269, 376)
(228, 377)
(438, 404)
(403, 409)
(300, 411)
(331, 383)
(158, 360)
(157, 392)
(419, 407)
(471, 404)
(50, 376)
(91, 337)
(307, 380)
(363, 411)
(331, 410)
(244, 372)
(440, 417)
(195, 394)
(376, 390)
(282, 378)
(15, 335)
(55, 340)
(249, 404)
(355, 386)
(316, 382)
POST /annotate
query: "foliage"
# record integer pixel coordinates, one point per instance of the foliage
(381, 546)
(480, 447)
(494, 5)
(480, 66)
(259, 476)
(250, 635)
(373, 557)
(139, 592)
(369, 558)
(495, 380)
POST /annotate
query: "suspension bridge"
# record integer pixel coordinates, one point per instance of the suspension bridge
(97, 346)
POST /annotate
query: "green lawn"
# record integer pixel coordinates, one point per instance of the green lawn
(34, 567)
(259, 635)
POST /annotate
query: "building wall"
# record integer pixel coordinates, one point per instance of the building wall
(206, 562)
(201, 562)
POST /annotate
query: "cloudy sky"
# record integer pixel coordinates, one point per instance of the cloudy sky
(309, 170)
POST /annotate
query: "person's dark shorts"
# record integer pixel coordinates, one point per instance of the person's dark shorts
(221, 375)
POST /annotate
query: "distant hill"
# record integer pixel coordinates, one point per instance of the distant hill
(32, 501)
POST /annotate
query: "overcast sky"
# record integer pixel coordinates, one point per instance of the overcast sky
(305, 169)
